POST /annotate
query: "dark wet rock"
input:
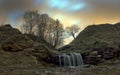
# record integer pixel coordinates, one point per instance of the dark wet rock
(93, 58)
(99, 55)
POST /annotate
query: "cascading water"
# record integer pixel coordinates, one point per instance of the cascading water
(69, 60)
(79, 60)
(60, 64)
(72, 59)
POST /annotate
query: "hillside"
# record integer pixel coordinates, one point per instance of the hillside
(97, 36)
(98, 41)
(19, 50)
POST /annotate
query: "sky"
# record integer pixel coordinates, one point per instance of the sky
(69, 12)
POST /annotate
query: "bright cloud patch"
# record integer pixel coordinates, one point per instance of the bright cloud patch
(68, 40)
(66, 5)
(60, 4)
(75, 22)
(59, 17)
(77, 7)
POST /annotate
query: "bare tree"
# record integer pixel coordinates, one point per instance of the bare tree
(42, 23)
(58, 34)
(73, 30)
(30, 18)
(45, 27)
(25, 28)
(54, 32)
(48, 34)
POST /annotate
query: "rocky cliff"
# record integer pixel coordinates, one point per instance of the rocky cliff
(19, 50)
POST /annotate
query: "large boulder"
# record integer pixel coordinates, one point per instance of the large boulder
(43, 53)
(99, 55)
(93, 58)
(109, 53)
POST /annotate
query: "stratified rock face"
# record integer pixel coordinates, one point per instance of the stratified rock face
(18, 50)
(93, 58)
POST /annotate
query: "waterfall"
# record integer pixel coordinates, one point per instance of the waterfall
(72, 59)
(60, 63)
(78, 59)
(69, 60)
(64, 59)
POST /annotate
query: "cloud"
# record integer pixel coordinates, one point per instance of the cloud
(77, 7)
(60, 4)
(82, 12)
(66, 5)
(11, 5)
(12, 8)
(68, 40)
